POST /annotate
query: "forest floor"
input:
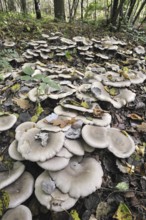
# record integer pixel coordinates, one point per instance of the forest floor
(122, 195)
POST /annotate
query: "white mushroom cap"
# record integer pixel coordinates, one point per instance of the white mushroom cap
(34, 96)
(24, 127)
(8, 177)
(14, 154)
(95, 136)
(65, 91)
(33, 150)
(7, 121)
(20, 212)
(20, 190)
(74, 146)
(54, 164)
(59, 110)
(120, 144)
(64, 153)
(82, 178)
(140, 50)
(55, 200)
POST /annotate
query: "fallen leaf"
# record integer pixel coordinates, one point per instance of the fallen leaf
(74, 215)
(122, 186)
(134, 116)
(97, 112)
(4, 201)
(63, 123)
(22, 103)
(123, 212)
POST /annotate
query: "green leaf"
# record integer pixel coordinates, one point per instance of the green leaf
(41, 88)
(38, 112)
(28, 70)
(38, 76)
(74, 215)
(123, 212)
(4, 201)
(123, 186)
(26, 78)
(1, 77)
(15, 87)
(51, 83)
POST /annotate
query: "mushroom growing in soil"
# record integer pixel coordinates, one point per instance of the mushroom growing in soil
(82, 177)
(20, 212)
(51, 197)
(7, 121)
(40, 146)
(20, 190)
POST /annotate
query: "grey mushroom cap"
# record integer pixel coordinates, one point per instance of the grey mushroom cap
(37, 150)
(54, 164)
(59, 110)
(95, 136)
(20, 190)
(20, 212)
(13, 152)
(22, 128)
(120, 144)
(82, 178)
(51, 197)
(74, 146)
(8, 177)
(7, 121)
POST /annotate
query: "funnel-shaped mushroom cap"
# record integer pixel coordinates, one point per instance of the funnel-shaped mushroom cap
(24, 127)
(54, 164)
(37, 146)
(51, 197)
(82, 178)
(20, 212)
(20, 190)
(7, 121)
(8, 177)
(120, 144)
(13, 152)
(95, 136)
(74, 146)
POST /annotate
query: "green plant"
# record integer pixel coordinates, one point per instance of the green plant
(43, 81)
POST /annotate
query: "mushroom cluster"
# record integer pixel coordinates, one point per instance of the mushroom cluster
(61, 145)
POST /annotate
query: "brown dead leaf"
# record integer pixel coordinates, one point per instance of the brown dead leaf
(134, 116)
(98, 113)
(142, 127)
(61, 122)
(22, 103)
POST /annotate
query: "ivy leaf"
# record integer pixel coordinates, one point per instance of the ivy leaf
(26, 78)
(74, 215)
(51, 83)
(123, 212)
(28, 70)
(122, 186)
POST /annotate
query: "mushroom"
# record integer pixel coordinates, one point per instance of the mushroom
(8, 177)
(120, 144)
(37, 146)
(13, 152)
(22, 128)
(20, 212)
(20, 190)
(95, 136)
(74, 146)
(51, 197)
(82, 178)
(54, 164)
(7, 121)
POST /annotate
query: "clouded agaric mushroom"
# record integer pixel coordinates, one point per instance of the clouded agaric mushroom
(20, 190)
(95, 136)
(24, 127)
(13, 152)
(7, 121)
(40, 146)
(21, 212)
(51, 197)
(82, 178)
(8, 177)
(120, 144)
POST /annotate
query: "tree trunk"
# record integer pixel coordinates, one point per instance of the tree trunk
(11, 5)
(23, 6)
(139, 11)
(37, 9)
(1, 6)
(82, 9)
(59, 11)
(132, 4)
(113, 11)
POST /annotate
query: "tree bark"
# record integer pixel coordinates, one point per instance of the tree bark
(139, 11)
(23, 6)
(59, 11)
(132, 4)
(37, 9)
(113, 11)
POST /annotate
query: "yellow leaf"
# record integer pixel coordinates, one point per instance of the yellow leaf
(85, 104)
(39, 111)
(15, 87)
(134, 116)
(123, 212)
(74, 215)
(22, 103)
